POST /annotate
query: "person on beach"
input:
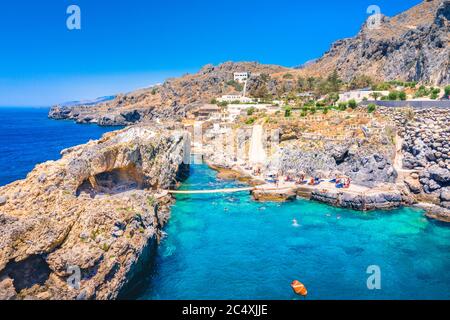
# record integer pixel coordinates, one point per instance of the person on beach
(348, 181)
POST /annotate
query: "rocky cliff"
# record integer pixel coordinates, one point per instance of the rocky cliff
(412, 46)
(425, 148)
(77, 227)
(366, 163)
(315, 147)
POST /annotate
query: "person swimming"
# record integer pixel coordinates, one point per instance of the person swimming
(295, 223)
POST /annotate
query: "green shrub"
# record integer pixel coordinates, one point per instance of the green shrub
(371, 108)
(435, 93)
(402, 95)
(325, 110)
(250, 111)
(236, 85)
(447, 91)
(422, 92)
(287, 112)
(342, 106)
(250, 121)
(381, 86)
(313, 110)
(352, 104)
(393, 95)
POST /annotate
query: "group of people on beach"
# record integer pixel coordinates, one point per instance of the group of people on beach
(340, 182)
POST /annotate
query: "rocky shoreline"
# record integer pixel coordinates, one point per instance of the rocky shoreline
(404, 160)
(375, 199)
(77, 228)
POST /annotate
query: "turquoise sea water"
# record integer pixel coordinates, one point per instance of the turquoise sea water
(230, 247)
(28, 137)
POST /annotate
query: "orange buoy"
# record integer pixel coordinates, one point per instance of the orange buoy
(299, 288)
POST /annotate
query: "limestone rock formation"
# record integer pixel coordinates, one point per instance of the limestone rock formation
(425, 149)
(363, 164)
(89, 216)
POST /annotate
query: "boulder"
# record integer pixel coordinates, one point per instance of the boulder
(445, 194)
(7, 290)
(440, 175)
(413, 185)
(433, 185)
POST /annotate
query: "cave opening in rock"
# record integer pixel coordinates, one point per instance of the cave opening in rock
(183, 172)
(27, 273)
(112, 182)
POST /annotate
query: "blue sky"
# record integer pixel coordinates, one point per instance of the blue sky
(135, 43)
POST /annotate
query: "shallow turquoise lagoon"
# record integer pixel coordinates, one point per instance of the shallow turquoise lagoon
(230, 247)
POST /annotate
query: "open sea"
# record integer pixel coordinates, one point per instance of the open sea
(227, 246)
(28, 137)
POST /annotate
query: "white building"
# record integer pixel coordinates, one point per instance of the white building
(241, 76)
(234, 97)
(359, 95)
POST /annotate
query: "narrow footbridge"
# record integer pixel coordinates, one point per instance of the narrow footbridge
(230, 190)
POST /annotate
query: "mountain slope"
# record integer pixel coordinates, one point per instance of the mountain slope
(412, 46)
(170, 100)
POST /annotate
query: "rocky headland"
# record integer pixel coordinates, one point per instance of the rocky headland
(168, 101)
(77, 228)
